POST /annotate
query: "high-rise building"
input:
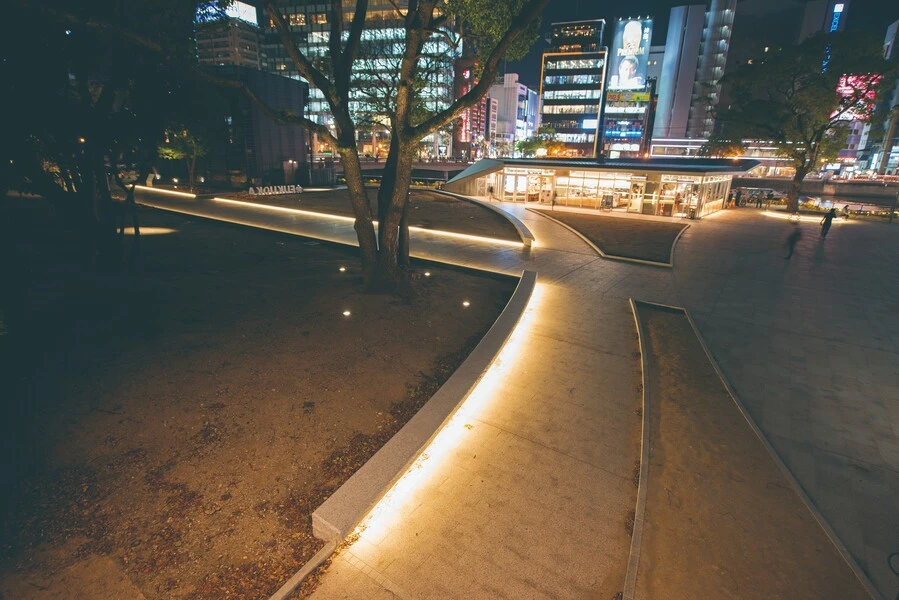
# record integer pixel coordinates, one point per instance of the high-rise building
(516, 115)
(470, 127)
(695, 57)
(571, 85)
(823, 15)
(232, 39)
(886, 158)
(628, 108)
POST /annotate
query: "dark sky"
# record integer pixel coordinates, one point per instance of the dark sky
(871, 15)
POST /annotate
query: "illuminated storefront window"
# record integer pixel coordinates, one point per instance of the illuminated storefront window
(647, 192)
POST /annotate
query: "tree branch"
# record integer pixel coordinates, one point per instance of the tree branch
(279, 116)
(520, 23)
(313, 75)
(356, 27)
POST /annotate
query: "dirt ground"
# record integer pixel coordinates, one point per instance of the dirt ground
(428, 210)
(721, 519)
(632, 238)
(168, 433)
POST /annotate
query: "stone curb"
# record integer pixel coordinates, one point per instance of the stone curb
(674, 244)
(527, 238)
(294, 582)
(633, 561)
(343, 510)
(596, 248)
(862, 577)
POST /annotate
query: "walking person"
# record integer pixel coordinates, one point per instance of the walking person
(827, 221)
(769, 198)
(792, 239)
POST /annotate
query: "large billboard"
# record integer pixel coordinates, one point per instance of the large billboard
(630, 54)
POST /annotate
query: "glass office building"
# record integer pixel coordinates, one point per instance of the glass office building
(383, 44)
(571, 85)
(666, 187)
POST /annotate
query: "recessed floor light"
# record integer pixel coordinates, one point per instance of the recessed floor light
(466, 303)
(342, 269)
(427, 273)
(346, 313)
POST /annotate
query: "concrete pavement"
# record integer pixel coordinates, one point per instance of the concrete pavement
(534, 497)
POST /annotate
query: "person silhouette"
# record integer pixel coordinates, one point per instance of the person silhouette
(827, 221)
(792, 239)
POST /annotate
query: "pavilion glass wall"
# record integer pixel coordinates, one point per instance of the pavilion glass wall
(670, 195)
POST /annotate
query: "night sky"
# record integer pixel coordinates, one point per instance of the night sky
(870, 15)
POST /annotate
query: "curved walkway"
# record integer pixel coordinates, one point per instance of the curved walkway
(534, 497)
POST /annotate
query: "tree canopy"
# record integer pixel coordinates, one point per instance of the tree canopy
(542, 144)
(801, 97)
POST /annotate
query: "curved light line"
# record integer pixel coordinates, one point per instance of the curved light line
(161, 191)
(318, 215)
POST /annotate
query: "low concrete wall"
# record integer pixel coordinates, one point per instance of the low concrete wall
(338, 515)
(527, 238)
(876, 193)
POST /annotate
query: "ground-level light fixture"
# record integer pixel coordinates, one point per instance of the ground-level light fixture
(342, 269)
(466, 303)
(174, 180)
(427, 273)
(346, 313)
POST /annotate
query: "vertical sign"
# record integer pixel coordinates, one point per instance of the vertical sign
(630, 54)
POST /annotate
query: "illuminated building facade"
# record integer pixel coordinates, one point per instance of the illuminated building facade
(571, 85)
(516, 115)
(470, 127)
(629, 100)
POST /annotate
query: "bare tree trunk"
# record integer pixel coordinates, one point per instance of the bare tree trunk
(394, 275)
(792, 198)
(403, 253)
(191, 167)
(388, 180)
(365, 230)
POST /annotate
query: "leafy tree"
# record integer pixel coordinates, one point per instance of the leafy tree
(790, 98)
(543, 144)
(90, 98)
(496, 29)
(718, 147)
(182, 144)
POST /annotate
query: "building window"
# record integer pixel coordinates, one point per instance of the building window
(297, 19)
(320, 18)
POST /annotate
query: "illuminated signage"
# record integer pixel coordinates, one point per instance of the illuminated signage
(858, 93)
(242, 11)
(627, 97)
(271, 190)
(625, 110)
(630, 54)
(838, 8)
(589, 124)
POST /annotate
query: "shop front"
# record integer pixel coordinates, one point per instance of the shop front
(685, 188)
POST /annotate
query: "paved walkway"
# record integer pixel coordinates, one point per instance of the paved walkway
(533, 500)
(811, 346)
